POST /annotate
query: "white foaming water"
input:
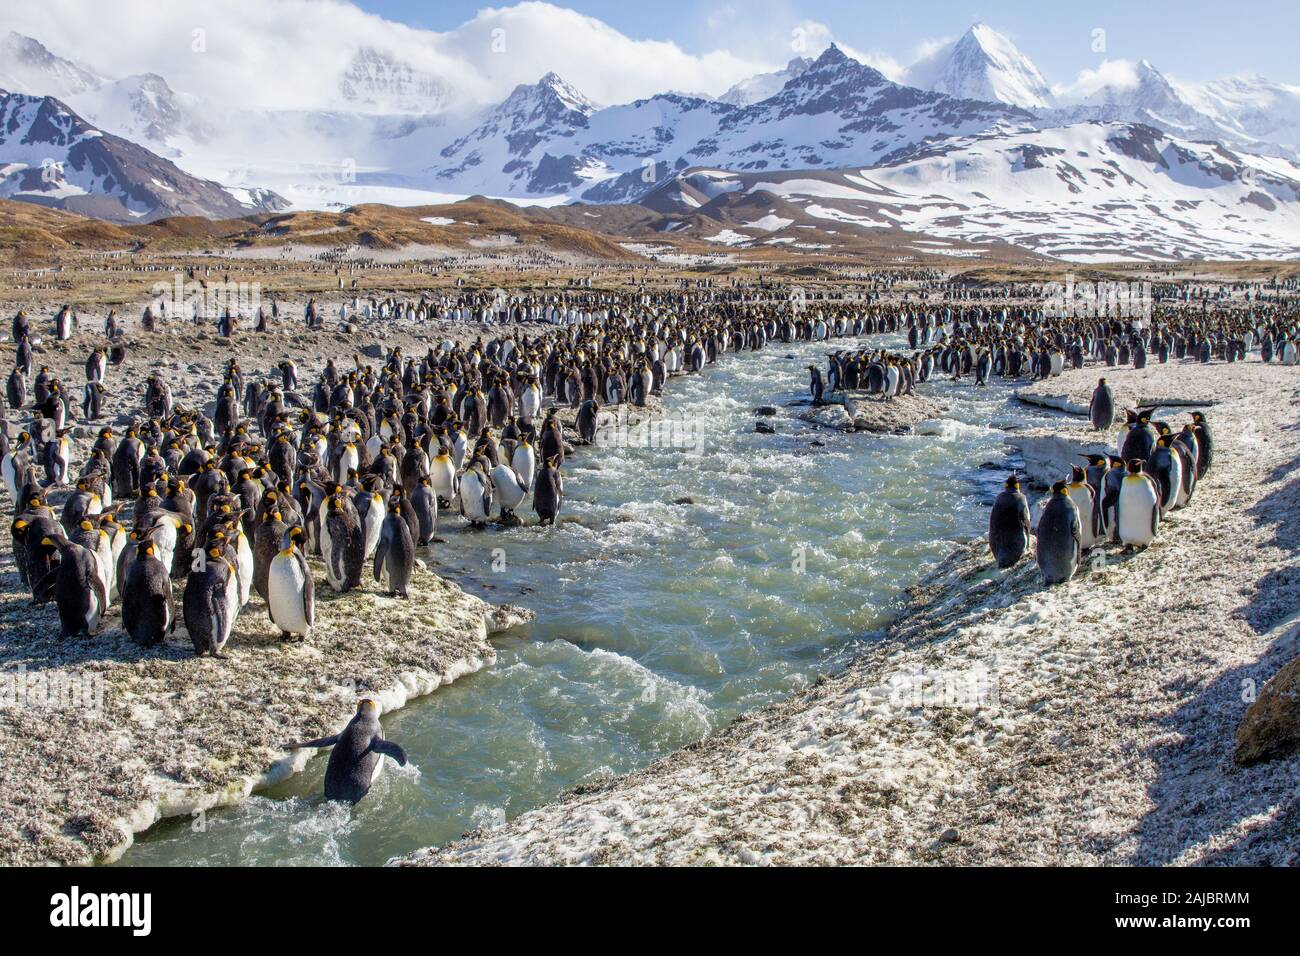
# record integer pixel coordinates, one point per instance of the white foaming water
(658, 622)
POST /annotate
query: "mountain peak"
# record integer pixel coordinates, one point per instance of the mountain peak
(27, 65)
(831, 56)
(983, 64)
(554, 87)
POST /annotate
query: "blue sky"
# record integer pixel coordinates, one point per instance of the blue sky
(1196, 40)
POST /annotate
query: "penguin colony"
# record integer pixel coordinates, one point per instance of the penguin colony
(355, 465)
(352, 468)
(1016, 343)
(1114, 498)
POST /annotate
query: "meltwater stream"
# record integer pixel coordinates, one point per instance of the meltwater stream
(658, 622)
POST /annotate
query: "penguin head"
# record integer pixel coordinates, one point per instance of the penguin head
(367, 707)
(1012, 482)
(1135, 466)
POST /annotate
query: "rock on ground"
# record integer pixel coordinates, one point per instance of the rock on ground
(862, 413)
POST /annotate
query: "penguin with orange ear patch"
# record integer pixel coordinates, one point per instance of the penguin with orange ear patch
(211, 601)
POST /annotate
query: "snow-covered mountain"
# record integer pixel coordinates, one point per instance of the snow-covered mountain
(1140, 165)
(50, 155)
(1088, 192)
(379, 82)
(547, 139)
(760, 87)
(501, 151)
(1252, 107)
(983, 64)
(144, 109)
(26, 66)
(1145, 96)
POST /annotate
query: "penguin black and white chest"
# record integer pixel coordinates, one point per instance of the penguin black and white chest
(476, 493)
(1166, 466)
(1138, 507)
(1086, 502)
(290, 590)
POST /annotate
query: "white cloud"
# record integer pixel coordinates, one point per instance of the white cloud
(1120, 74)
(288, 54)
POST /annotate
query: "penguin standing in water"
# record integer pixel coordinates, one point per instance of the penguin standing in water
(817, 386)
(1059, 545)
(1009, 524)
(147, 596)
(290, 591)
(358, 754)
(510, 492)
(76, 586)
(476, 495)
(1138, 508)
(548, 493)
(524, 461)
(395, 556)
(211, 602)
(587, 420)
(442, 475)
(1101, 410)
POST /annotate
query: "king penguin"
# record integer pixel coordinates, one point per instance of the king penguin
(147, 596)
(358, 754)
(1009, 524)
(1138, 508)
(395, 555)
(1059, 545)
(1101, 410)
(290, 591)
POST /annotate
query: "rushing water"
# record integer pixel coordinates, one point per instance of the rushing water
(658, 622)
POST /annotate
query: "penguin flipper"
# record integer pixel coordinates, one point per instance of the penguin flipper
(44, 589)
(308, 591)
(390, 749)
(380, 552)
(101, 592)
(318, 742)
